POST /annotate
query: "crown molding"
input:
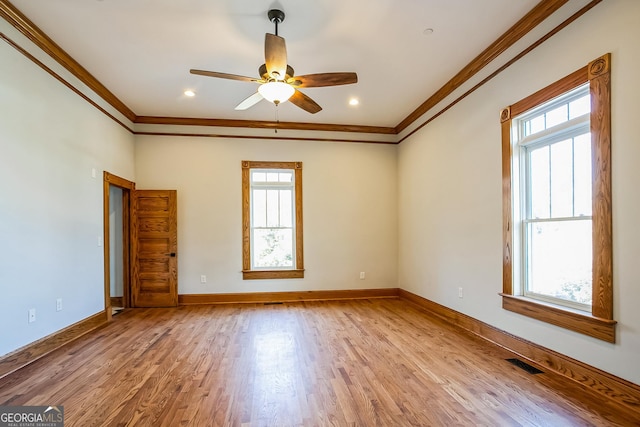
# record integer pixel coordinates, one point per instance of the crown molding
(539, 13)
(509, 63)
(532, 19)
(21, 23)
(254, 124)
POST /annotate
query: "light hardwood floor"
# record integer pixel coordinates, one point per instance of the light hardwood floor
(376, 362)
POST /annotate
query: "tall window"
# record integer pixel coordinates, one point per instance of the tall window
(557, 232)
(552, 143)
(272, 220)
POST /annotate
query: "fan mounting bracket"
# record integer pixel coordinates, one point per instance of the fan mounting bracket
(276, 16)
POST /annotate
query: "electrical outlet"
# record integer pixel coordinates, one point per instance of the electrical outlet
(362, 275)
(460, 293)
(32, 315)
(203, 278)
(59, 304)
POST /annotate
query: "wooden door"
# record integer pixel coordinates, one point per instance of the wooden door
(155, 245)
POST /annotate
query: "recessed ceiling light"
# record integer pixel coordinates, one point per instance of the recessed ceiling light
(354, 101)
(189, 93)
(427, 31)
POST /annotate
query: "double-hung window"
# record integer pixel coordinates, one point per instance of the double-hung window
(553, 144)
(272, 220)
(556, 194)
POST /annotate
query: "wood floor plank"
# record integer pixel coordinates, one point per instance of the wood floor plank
(377, 362)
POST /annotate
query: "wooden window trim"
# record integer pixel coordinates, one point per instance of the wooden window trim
(247, 272)
(599, 323)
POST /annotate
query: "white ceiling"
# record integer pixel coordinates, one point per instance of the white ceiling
(142, 50)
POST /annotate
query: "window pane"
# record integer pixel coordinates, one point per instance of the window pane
(539, 182)
(258, 176)
(286, 177)
(273, 248)
(536, 124)
(259, 208)
(273, 206)
(562, 179)
(557, 116)
(272, 177)
(579, 107)
(286, 217)
(560, 260)
(582, 175)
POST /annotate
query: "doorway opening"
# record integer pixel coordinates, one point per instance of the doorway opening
(116, 249)
(117, 253)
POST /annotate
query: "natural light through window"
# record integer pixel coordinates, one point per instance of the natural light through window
(272, 227)
(557, 263)
(554, 149)
(272, 220)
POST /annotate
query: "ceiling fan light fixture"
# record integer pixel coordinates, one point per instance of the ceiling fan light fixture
(276, 92)
(278, 82)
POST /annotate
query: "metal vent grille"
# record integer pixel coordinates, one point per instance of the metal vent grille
(523, 365)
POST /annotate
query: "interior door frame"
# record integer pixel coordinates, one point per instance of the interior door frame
(128, 187)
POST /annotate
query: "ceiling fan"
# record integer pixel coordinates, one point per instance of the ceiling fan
(277, 81)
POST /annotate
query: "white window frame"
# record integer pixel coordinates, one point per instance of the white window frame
(523, 144)
(267, 185)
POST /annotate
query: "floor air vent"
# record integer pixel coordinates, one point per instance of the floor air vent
(523, 365)
(273, 303)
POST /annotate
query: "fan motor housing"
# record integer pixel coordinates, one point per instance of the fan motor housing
(262, 72)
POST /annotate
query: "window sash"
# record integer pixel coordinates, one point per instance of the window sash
(288, 248)
(526, 181)
(269, 213)
(564, 100)
(277, 228)
(528, 258)
(527, 145)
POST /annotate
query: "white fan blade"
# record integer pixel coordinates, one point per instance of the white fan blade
(250, 101)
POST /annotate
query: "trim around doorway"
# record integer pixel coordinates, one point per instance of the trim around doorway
(128, 187)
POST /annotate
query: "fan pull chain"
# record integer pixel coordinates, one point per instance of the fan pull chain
(277, 119)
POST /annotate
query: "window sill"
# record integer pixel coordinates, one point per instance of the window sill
(272, 274)
(574, 320)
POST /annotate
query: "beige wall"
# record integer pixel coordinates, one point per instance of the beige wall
(349, 202)
(50, 205)
(450, 191)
